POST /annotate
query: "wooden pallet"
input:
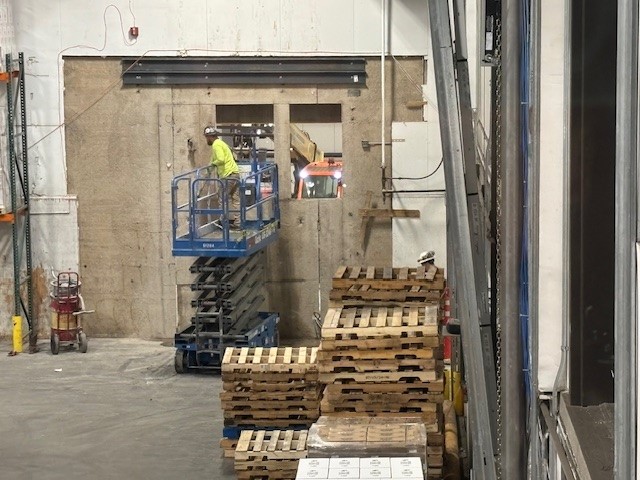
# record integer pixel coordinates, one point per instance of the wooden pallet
(392, 389)
(270, 422)
(408, 407)
(272, 445)
(269, 360)
(270, 414)
(271, 385)
(379, 344)
(228, 446)
(387, 277)
(379, 322)
(270, 454)
(378, 365)
(327, 356)
(366, 294)
(265, 472)
(379, 377)
(431, 420)
(271, 377)
(251, 406)
(381, 398)
(231, 397)
(435, 439)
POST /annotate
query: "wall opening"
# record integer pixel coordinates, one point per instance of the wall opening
(316, 151)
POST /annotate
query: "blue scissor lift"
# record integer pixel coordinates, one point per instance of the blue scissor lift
(229, 270)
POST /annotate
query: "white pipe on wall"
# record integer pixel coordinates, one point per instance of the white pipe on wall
(383, 5)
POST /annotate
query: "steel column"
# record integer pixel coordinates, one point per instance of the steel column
(458, 220)
(534, 452)
(20, 196)
(626, 222)
(476, 213)
(33, 321)
(510, 233)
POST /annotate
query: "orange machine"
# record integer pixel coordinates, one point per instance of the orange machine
(321, 179)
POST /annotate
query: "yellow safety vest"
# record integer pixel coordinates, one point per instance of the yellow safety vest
(222, 159)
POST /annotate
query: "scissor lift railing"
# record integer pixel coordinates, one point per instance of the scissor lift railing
(202, 212)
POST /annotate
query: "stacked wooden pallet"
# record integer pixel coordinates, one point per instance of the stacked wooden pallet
(380, 353)
(382, 360)
(269, 454)
(269, 388)
(373, 285)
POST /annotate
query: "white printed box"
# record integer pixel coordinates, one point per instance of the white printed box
(344, 462)
(407, 468)
(375, 462)
(340, 473)
(375, 473)
(312, 468)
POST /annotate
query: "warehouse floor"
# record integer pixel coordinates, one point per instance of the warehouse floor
(119, 411)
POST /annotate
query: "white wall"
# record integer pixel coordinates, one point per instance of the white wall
(417, 152)
(553, 131)
(328, 136)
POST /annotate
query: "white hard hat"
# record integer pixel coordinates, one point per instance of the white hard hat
(426, 257)
(211, 131)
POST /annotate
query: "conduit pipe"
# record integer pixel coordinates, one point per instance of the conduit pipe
(626, 218)
(510, 230)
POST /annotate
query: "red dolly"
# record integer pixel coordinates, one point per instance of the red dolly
(67, 308)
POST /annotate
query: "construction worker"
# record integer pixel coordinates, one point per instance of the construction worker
(227, 169)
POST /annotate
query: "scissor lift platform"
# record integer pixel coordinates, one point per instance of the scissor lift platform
(201, 207)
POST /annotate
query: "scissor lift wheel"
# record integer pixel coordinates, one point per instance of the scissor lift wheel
(181, 361)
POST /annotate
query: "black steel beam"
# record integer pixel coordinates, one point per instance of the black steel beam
(349, 71)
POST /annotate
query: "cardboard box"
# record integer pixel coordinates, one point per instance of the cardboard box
(375, 473)
(344, 462)
(311, 468)
(406, 467)
(340, 473)
(375, 462)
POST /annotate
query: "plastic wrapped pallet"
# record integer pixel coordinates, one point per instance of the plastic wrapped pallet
(335, 436)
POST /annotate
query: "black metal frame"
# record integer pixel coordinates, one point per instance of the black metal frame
(20, 195)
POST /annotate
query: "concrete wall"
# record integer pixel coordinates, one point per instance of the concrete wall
(123, 152)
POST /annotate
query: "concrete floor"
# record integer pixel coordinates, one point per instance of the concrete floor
(118, 411)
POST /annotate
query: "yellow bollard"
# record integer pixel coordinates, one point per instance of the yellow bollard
(458, 394)
(17, 333)
(448, 391)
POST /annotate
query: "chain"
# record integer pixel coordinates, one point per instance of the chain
(498, 167)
